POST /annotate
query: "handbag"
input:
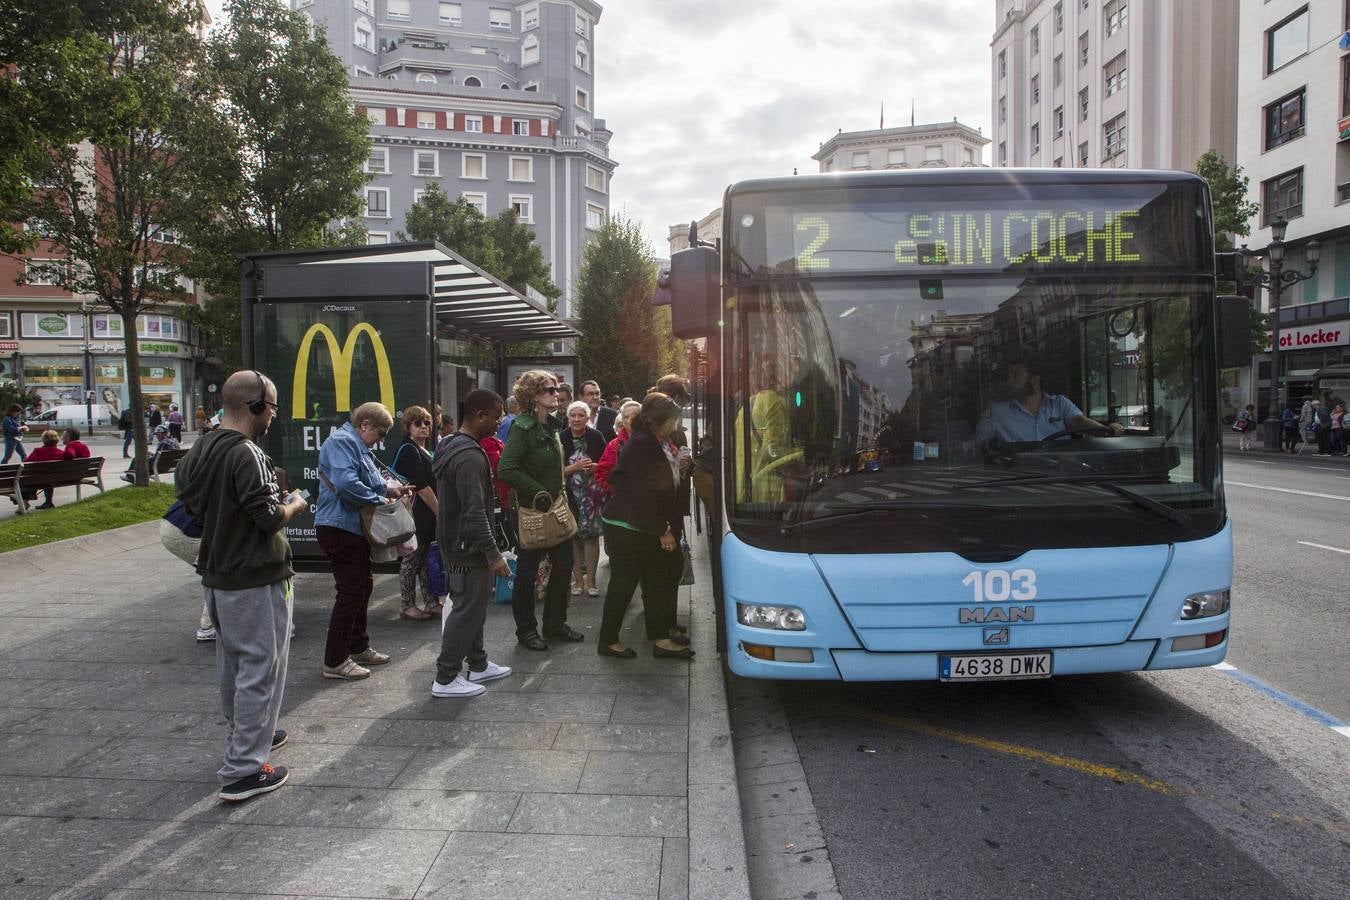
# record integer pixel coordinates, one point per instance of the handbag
(385, 526)
(687, 575)
(437, 583)
(540, 530)
(505, 585)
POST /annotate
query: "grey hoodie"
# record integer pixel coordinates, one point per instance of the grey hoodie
(465, 495)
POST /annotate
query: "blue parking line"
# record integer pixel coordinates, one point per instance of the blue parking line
(1312, 712)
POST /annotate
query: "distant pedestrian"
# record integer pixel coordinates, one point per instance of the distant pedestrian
(412, 463)
(512, 407)
(1338, 430)
(155, 418)
(14, 432)
(583, 446)
(126, 423)
(1322, 421)
(1246, 426)
(1289, 425)
(467, 542)
(493, 446)
(602, 418)
(228, 482)
(175, 423)
(627, 411)
(74, 447)
(162, 441)
(200, 418)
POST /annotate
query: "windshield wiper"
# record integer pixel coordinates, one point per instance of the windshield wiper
(1101, 480)
(846, 511)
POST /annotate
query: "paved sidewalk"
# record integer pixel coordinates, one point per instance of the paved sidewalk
(578, 776)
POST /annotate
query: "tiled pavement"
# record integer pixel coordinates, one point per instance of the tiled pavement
(578, 776)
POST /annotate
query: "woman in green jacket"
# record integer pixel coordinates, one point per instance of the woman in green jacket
(532, 465)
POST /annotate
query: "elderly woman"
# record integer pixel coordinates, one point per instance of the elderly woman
(582, 448)
(624, 427)
(532, 464)
(643, 523)
(349, 480)
(50, 451)
(412, 463)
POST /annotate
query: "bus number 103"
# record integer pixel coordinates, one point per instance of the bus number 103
(998, 585)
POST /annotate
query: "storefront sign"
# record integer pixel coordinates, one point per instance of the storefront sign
(9, 345)
(147, 347)
(53, 324)
(1309, 337)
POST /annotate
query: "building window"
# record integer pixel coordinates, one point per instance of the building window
(1036, 138)
(862, 160)
(595, 178)
(499, 19)
(1282, 196)
(473, 165)
(1059, 121)
(425, 78)
(523, 206)
(109, 326)
(895, 158)
(1035, 40)
(477, 200)
(1083, 105)
(1116, 13)
(595, 217)
(452, 14)
(1003, 64)
(529, 51)
(365, 38)
(51, 325)
(583, 58)
(1113, 134)
(164, 235)
(968, 155)
(472, 81)
(529, 18)
(1115, 75)
(1059, 70)
(43, 272)
(522, 168)
(363, 5)
(377, 238)
(1284, 119)
(375, 115)
(426, 120)
(1083, 154)
(473, 124)
(1083, 49)
(583, 99)
(398, 9)
(531, 87)
(1002, 110)
(1287, 41)
(1002, 153)
(377, 203)
(1059, 162)
(1059, 18)
(583, 25)
(520, 127)
(1035, 89)
(932, 153)
(362, 72)
(1345, 85)
(427, 162)
(378, 161)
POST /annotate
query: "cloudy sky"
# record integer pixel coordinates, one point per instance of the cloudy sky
(702, 93)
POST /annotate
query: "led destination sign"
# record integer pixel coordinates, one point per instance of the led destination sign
(926, 232)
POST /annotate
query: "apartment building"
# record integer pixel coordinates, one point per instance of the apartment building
(1113, 83)
(1293, 90)
(908, 147)
(493, 100)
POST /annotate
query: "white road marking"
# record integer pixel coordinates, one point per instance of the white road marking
(1266, 487)
(1224, 667)
(1324, 547)
(1342, 729)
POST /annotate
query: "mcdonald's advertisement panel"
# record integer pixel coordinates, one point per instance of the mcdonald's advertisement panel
(327, 359)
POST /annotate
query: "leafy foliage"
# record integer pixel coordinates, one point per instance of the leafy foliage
(1228, 194)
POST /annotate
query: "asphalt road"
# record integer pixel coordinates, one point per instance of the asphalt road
(1188, 784)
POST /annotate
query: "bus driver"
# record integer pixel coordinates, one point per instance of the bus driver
(1030, 414)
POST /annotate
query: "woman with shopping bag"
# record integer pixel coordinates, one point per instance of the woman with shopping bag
(412, 463)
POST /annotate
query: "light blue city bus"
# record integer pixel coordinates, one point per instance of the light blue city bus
(965, 423)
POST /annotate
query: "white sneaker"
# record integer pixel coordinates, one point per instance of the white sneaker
(457, 688)
(491, 673)
(205, 634)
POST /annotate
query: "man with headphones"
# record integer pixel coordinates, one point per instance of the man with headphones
(227, 481)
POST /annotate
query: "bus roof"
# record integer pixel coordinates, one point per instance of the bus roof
(964, 175)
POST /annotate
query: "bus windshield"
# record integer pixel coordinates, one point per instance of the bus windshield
(981, 414)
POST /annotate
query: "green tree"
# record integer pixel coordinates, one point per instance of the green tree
(142, 102)
(1232, 214)
(620, 345)
(292, 165)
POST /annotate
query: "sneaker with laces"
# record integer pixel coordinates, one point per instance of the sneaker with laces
(457, 688)
(279, 738)
(263, 781)
(491, 673)
(370, 657)
(205, 635)
(348, 671)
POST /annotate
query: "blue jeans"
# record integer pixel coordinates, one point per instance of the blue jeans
(555, 599)
(127, 437)
(12, 444)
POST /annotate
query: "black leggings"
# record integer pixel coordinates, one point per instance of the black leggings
(636, 557)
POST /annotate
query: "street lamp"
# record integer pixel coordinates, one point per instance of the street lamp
(1276, 279)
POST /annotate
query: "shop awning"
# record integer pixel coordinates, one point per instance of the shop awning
(466, 298)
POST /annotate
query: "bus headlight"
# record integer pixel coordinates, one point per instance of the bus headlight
(779, 618)
(1200, 606)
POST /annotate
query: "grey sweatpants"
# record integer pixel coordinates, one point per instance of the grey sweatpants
(462, 627)
(253, 641)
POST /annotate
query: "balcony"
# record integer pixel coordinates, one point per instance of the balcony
(437, 56)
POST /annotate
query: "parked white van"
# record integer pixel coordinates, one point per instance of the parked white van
(72, 414)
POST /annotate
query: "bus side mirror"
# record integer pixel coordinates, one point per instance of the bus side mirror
(693, 285)
(1234, 317)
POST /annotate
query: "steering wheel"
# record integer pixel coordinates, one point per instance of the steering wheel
(1078, 429)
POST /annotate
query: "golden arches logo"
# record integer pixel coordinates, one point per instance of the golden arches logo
(342, 367)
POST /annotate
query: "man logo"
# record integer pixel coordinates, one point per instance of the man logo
(342, 366)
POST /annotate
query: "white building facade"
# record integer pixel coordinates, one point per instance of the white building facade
(908, 147)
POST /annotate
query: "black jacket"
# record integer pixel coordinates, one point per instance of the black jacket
(644, 493)
(604, 423)
(227, 481)
(466, 497)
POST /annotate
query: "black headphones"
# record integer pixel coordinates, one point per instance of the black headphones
(259, 406)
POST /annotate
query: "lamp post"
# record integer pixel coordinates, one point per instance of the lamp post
(1276, 279)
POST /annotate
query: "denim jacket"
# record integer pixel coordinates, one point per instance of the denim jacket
(355, 481)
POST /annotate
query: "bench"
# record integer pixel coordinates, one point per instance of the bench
(165, 462)
(76, 473)
(9, 479)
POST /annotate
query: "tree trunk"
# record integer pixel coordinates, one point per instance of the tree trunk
(136, 399)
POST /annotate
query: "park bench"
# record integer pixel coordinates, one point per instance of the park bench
(76, 473)
(165, 462)
(9, 479)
